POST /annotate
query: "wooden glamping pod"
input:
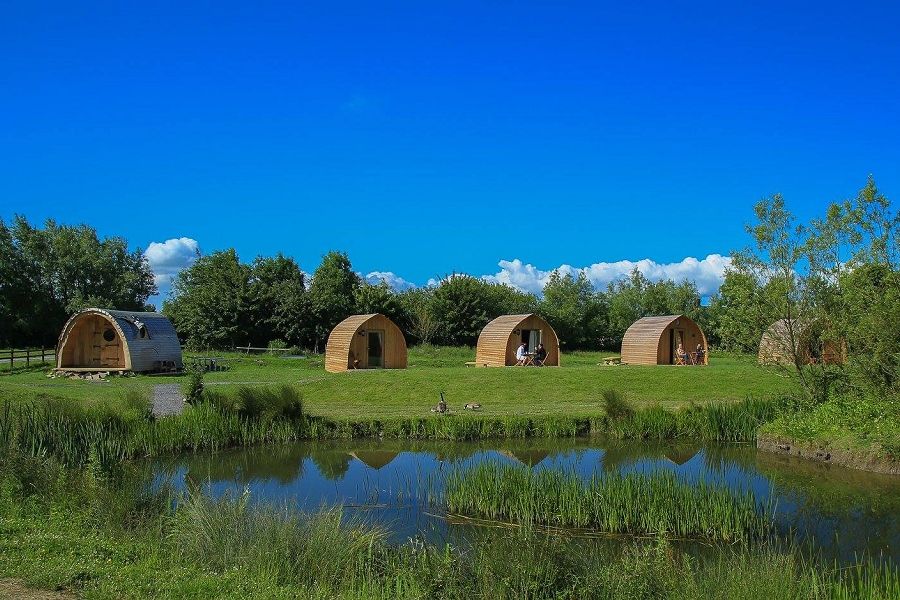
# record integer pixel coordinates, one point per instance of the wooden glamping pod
(777, 342)
(97, 339)
(499, 339)
(653, 340)
(365, 342)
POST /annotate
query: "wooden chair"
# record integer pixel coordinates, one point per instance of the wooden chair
(679, 358)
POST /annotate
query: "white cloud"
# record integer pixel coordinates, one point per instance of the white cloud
(707, 273)
(395, 281)
(169, 258)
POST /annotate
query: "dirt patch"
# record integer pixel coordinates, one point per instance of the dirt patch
(827, 454)
(14, 588)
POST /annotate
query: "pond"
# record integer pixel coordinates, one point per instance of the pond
(839, 512)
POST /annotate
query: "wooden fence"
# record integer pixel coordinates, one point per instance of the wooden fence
(28, 356)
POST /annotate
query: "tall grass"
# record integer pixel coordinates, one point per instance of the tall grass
(658, 503)
(257, 415)
(731, 422)
(75, 435)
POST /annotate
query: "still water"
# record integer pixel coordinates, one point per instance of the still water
(841, 513)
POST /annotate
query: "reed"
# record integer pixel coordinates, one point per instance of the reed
(634, 504)
(261, 415)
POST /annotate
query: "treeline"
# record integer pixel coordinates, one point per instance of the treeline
(840, 271)
(220, 302)
(48, 273)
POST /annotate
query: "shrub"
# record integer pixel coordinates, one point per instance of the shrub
(193, 387)
(615, 406)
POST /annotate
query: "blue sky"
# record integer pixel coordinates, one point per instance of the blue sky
(426, 138)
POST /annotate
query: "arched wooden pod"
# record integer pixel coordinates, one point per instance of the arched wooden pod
(97, 339)
(348, 344)
(499, 339)
(652, 340)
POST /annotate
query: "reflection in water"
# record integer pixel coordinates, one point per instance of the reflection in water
(374, 459)
(843, 513)
(332, 464)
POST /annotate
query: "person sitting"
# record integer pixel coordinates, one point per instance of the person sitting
(540, 355)
(521, 355)
(680, 355)
(698, 356)
(353, 362)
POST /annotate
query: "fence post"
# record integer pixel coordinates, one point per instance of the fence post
(12, 354)
(27, 357)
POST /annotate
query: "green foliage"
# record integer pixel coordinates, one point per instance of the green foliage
(332, 293)
(50, 273)
(839, 273)
(636, 297)
(464, 305)
(193, 387)
(632, 504)
(867, 426)
(380, 298)
(208, 301)
(615, 406)
(738, 313)
(278, 304)
(219, 302)
(575, 311)
(118, 537)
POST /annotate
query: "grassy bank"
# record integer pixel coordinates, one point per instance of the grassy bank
(632, 504)
(854, 431)
(572, 390)
(108, 434)
(103, 539)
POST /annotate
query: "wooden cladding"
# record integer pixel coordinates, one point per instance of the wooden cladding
(652, 340)
(116, 340)
(500, 338)
(365, 342)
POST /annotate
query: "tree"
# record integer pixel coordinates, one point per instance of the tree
(424, 325)
(381, 298)
(839, 273)
(208, 303)
(738, 315)
(636, 297)
(332, 293)
(278, 307)
(463, 306)
(574, 310)
(52, 272)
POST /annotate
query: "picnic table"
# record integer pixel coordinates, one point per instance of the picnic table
(209, 363)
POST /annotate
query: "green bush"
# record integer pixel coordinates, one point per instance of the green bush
(615, 406)
(193, 387)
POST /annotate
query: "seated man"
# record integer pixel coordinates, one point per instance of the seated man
(521, 355)
(540, 355)
(353, 362)
(698, 356)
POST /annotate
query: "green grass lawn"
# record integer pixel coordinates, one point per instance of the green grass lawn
(573, 389)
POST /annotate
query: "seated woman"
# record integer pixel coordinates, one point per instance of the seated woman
(698, 356)
(540, 355)
(680, 355)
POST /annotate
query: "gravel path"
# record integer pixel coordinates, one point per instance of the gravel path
(167, 399)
